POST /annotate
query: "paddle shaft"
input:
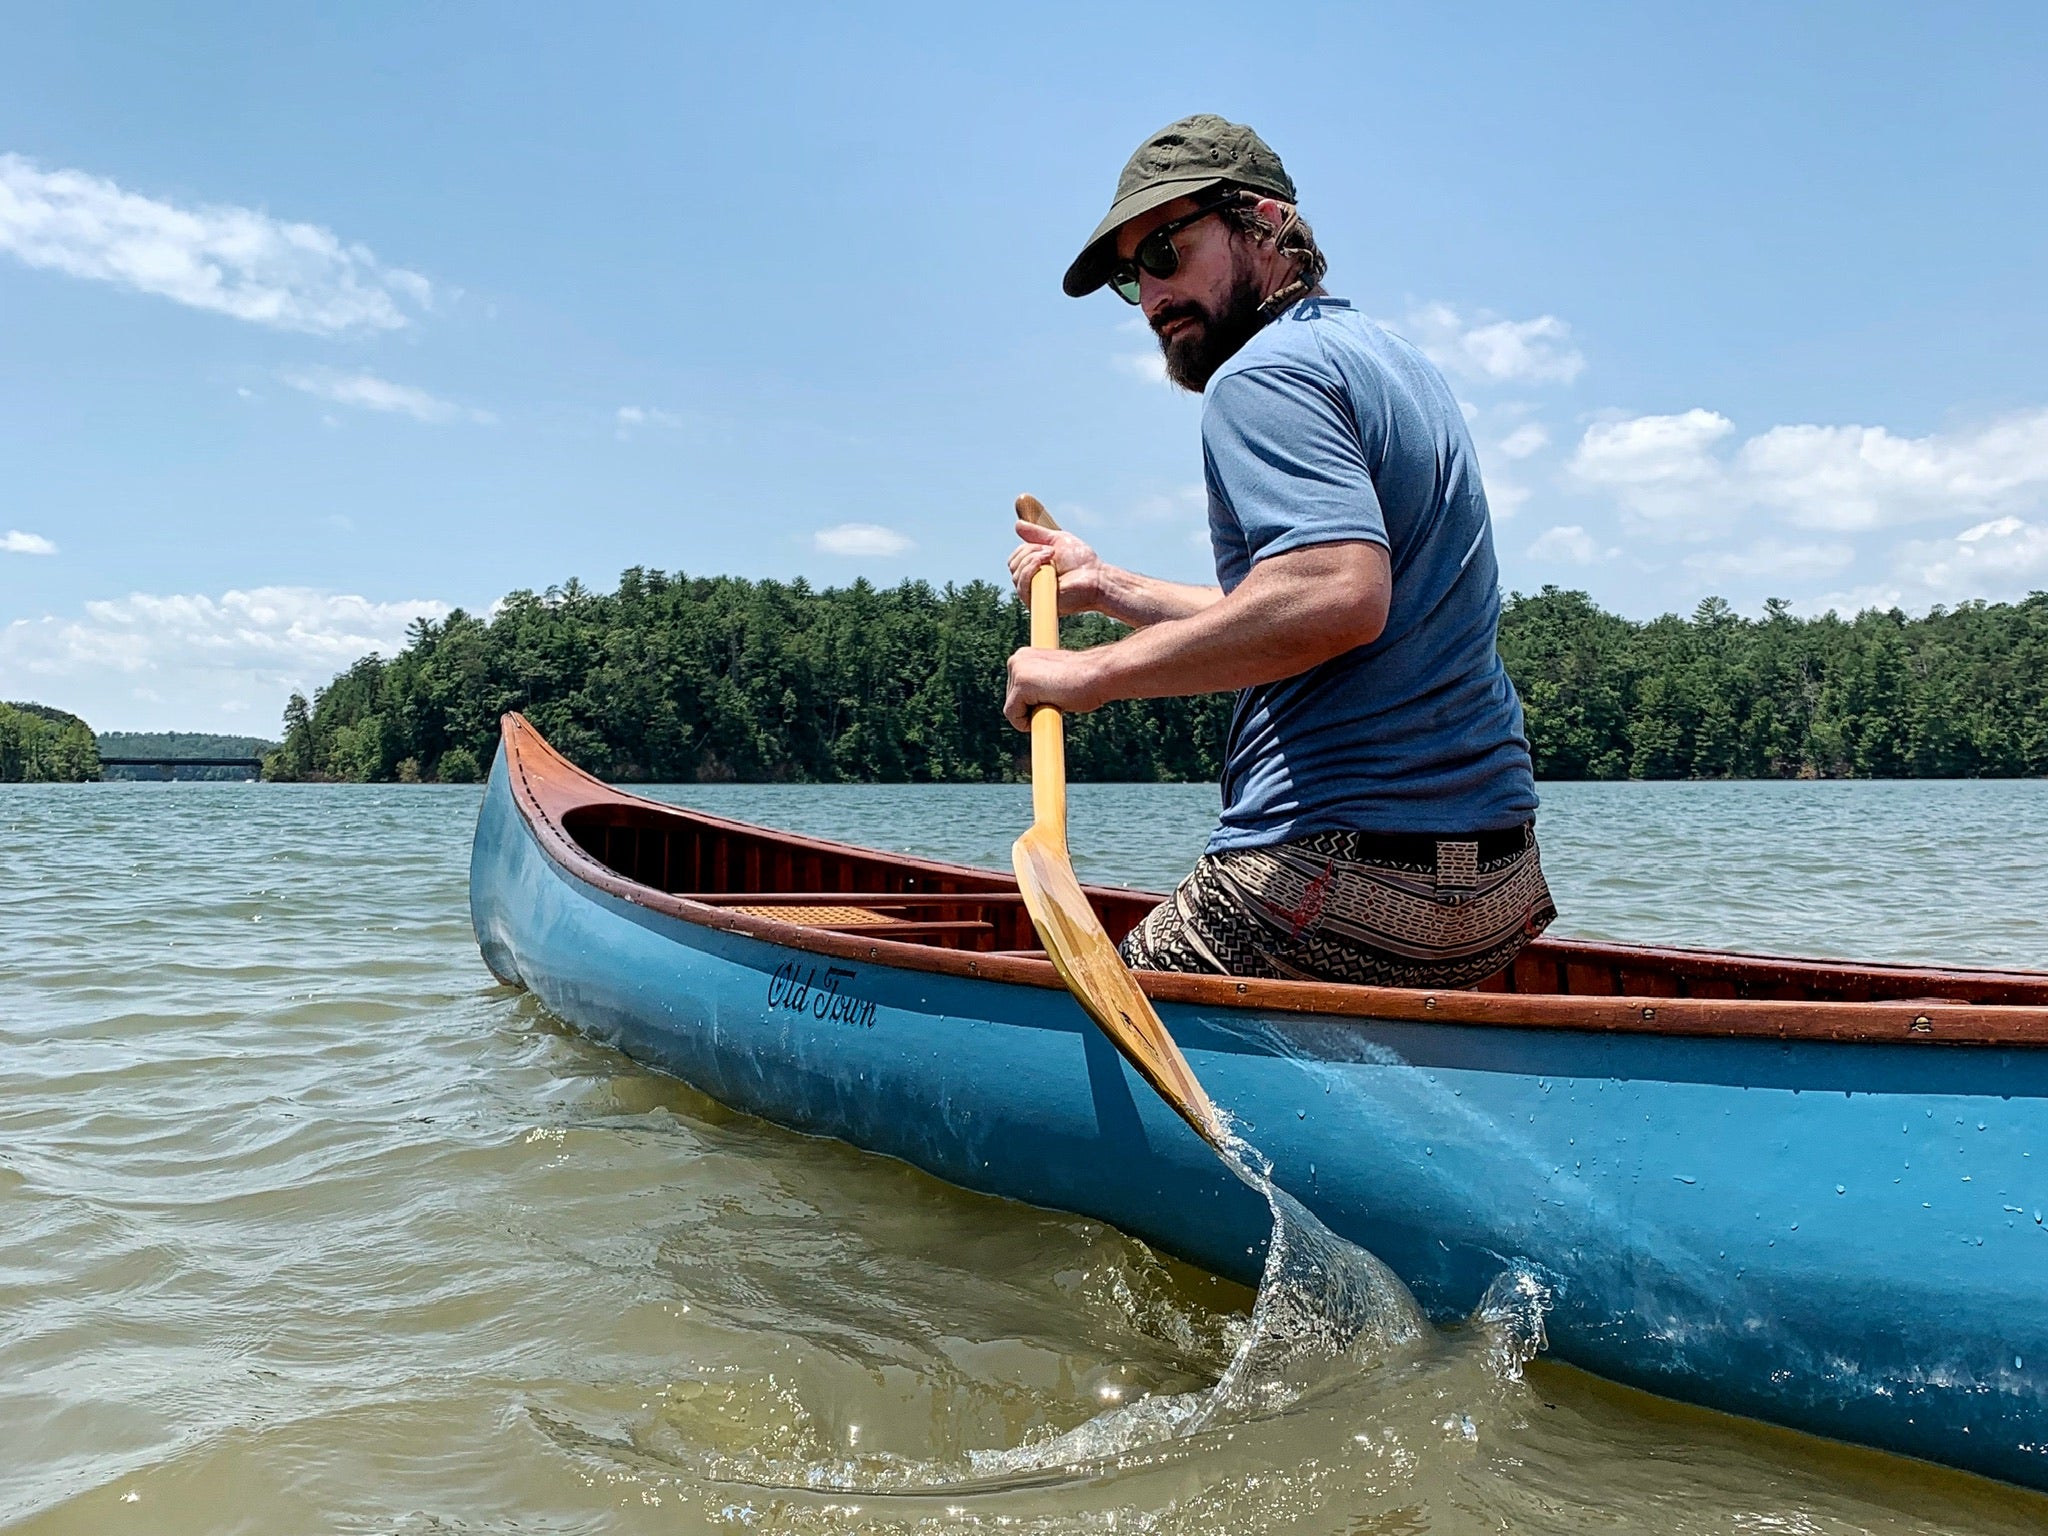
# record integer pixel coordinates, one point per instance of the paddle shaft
(1048, 738)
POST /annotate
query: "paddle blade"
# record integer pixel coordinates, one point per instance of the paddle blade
(1095, 973)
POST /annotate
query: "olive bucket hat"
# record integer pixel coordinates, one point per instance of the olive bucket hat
(1181, 159)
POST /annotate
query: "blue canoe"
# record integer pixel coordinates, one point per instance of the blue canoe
(1805, 1191)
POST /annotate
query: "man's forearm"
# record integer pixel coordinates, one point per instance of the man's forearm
(1293, 611)
(1288, 616)
(1142, 601)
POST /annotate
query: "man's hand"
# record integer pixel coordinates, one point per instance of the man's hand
(1080, 568)
(1067, 680)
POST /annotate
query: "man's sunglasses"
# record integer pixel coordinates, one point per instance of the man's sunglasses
(1156, 253)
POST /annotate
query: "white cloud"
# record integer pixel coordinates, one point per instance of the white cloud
(2005, 557)
(2001, 559)
(15, 542)
(1568, 544)
(861, 539)
(1865, 477)
(631, 418)
(1488, 349)
(368, 392)
(233, 261)
(1506, 492)
(1839, 479)
(1505, 497)
(1180, 504)
(1661, 468)
(1882, 596)
(149, 661)
(1775, 558)
(1149, 363)
(1149, 366)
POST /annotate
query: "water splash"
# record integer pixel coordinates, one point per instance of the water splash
(1509, 1319)
(1328, 1314)
(1326, 1309)
(1324, 1304)
(1328, 1318)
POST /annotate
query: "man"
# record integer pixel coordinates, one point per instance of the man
(1377, 793)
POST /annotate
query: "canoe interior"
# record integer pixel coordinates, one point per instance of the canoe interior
(850, 890)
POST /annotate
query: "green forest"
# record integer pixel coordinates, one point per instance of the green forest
(41, 745)
(679, 678)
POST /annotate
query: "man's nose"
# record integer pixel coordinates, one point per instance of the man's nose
(1154, 294)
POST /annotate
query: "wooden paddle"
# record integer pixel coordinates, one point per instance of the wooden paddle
(1067, 925)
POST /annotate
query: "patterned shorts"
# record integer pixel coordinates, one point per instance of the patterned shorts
(1384, 911)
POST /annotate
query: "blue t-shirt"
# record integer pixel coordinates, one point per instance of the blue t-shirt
(1325, 427)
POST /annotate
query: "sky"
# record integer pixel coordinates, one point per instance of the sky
(317, 319)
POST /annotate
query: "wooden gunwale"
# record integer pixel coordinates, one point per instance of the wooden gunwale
(546, 786)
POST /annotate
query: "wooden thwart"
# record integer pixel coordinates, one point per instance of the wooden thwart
(865, 920)
(764, 900)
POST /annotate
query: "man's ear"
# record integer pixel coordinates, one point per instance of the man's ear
(1274, 213)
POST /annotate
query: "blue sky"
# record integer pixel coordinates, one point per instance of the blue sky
(312, 320)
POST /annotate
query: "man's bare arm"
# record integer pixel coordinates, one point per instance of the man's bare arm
(1293, 611)
(1090, 584)
(1143, 601)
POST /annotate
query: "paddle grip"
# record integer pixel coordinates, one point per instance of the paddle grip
(1045, 582)
(1032, 510)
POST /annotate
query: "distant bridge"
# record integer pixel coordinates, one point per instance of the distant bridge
(170, 765)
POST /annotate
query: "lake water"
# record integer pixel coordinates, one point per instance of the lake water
(307, 1225)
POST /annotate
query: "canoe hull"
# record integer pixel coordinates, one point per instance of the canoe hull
(1842, 1238)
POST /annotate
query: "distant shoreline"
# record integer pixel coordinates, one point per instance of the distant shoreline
(706, 680)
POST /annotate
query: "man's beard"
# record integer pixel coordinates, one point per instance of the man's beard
(1198, 349)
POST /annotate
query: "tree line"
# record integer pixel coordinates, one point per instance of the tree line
(1959, 693)
(41, 745)
(677, 678)
(680, 678)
